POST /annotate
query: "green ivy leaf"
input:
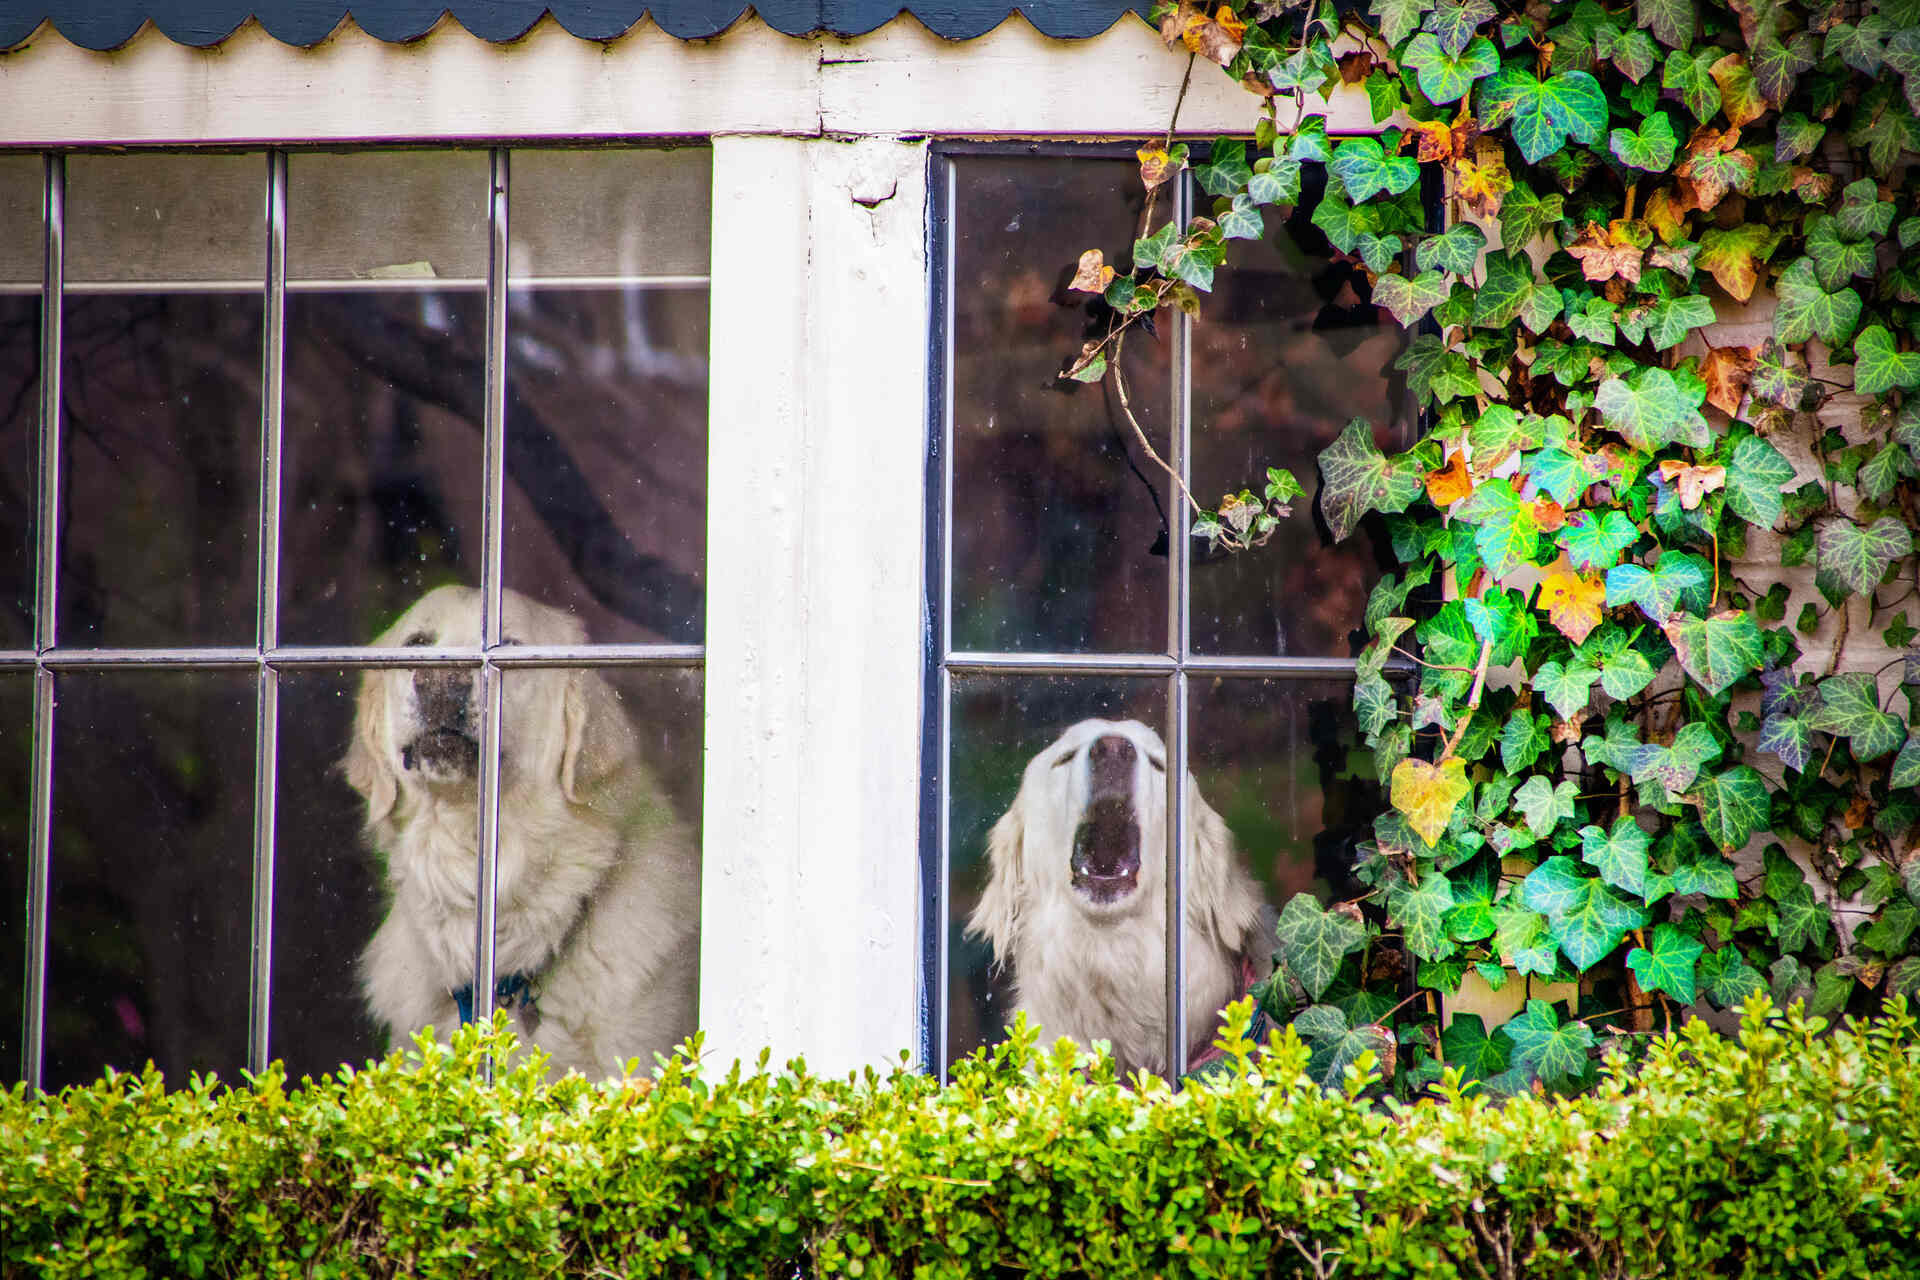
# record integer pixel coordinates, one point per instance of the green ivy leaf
(1878, 474)
(1277, 184)
(1796, 136)
(1594, 541)
(1566, 689)
(1669, 964)
(1587, 916)
(1650, 147)
(1716, 651)
(1776, 63)
(1468, 1046)
(1626, 673)
(1545, 806)
(1659, 590)
(1878, 367)
(1651, 411)
(1522, 740)
(1445, 77)
(1511, 292)
(1707, 875)
(1409, 299)
(1435, 371)
(1357, 478)
(1691, 74)
(1524, 215)
(1314, 942)
(1789, 737)
(1806, 310)
(1397, 19)
(1672, 320)
(1757, 477)
(1800, 921)
(1456, 24)
(1619, 855)
(1836, 261)
(1633, 52)
(1421, 912)
(1671, 21)
(1456, 249)
(1553, 1050)
(1226, 170)
(1504, 528)
(1862, 213)
(1906, 765)
(1850, 708)
(1854, 559)
(1727, 978)
(1365, 169)
(1543, 114)
(1733, 805)
(1674, 767)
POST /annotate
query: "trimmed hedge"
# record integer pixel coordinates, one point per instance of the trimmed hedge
(1789, 1152)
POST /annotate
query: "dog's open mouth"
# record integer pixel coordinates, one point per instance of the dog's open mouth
(1106, 851)
(442, 752)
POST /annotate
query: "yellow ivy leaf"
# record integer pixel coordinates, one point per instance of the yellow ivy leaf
(1156, 166)
(1573, 603)
(1483, 180)
(1427, 793)
(1451, 483)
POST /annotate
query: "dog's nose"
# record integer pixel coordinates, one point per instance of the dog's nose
(443, 697)
(1111, 761)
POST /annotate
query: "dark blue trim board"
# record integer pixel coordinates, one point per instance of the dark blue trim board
(107, 24)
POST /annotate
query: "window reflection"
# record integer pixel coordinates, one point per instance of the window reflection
(16, 748)
(22, 249)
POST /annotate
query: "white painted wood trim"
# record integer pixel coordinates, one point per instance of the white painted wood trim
(900, 80)
(818, 438)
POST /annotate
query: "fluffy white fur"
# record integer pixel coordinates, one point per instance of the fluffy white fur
(1094, 969)
(598, 881)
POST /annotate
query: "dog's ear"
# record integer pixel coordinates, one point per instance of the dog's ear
(600, 743)
(369, 762)
(1223, 893)
(997, 915)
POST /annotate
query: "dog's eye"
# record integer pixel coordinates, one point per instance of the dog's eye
(1065, 757)
(1158, 764)
(418, 638)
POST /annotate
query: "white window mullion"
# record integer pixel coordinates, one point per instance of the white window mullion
(815, 634)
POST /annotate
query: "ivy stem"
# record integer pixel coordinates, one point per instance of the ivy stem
(1433, 666)
(1126, 407)
(1153, 193)
(1713, 601)
(1473, 699)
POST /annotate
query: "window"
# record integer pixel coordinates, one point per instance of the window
(1064, 585)
(255, 409)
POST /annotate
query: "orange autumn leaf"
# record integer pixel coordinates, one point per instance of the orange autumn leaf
(1230, 22)
(1435, 140)
(1451, 483)
(1548, 514)
(1694, 483)
(1606, 253)
(1665, 216)
(1726, 371)
(1483, 180)
(1094, 274)
(1573, 603)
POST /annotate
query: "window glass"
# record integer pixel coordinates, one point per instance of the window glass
(607, 389)
(22, 259)
(1058, 541)
(16, 749)
(1004, 775)
(1286, 352)
(385, 383)
(151, 873)
(160, 422)
(1059, 529)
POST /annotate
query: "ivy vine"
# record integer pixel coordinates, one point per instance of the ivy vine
(1619, 774)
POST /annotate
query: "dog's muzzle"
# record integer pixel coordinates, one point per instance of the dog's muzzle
(445, 748)
(1106, 844)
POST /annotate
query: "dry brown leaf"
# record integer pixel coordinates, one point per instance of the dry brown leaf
(1548, 514)
(1726, 371)
(1604, 254)
(1094, 274)
(1156, 166)
(1694, 483)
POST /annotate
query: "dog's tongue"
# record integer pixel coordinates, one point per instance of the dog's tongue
(1107, 844)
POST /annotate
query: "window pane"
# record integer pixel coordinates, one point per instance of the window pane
(16, 791)
(385, 382)
(607, 391)
(161, 399)
(1280, 760)
(22, 253)
(1287, 350)
(151, 874)
(606, 213)
(1059, 525)
(1002, 725)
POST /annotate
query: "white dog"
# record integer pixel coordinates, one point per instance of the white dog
(597, 937)
(1074, 903)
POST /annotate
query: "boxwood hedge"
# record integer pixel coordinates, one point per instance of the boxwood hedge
(1791, 1151)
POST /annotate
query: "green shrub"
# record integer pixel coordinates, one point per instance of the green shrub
(1789, 1152)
